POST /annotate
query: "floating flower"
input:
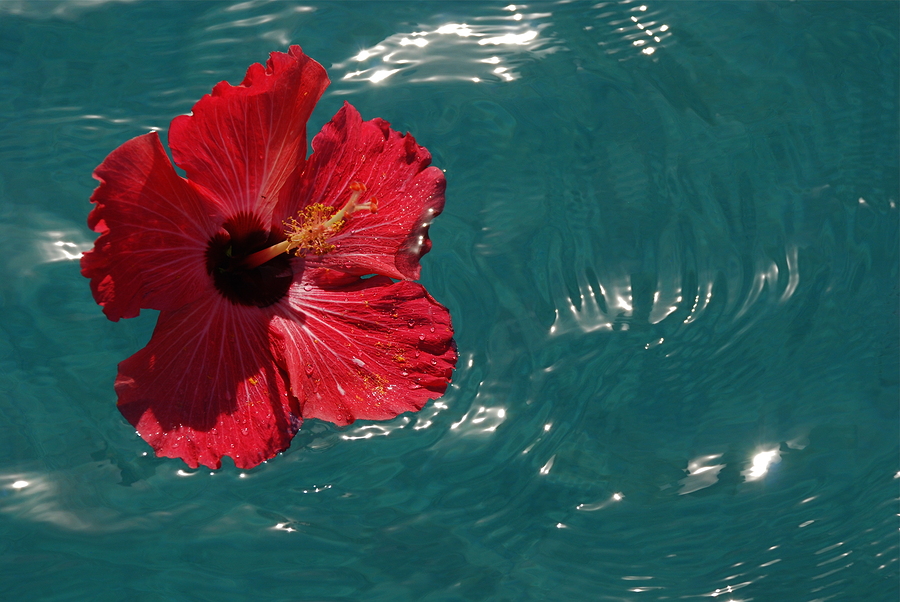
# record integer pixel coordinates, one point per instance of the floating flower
(284, 283)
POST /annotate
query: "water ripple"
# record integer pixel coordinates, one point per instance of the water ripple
(673, 276)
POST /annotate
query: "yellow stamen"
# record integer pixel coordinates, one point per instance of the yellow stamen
(311, 232)
(317, 224)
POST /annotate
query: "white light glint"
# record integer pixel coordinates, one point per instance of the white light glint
(363, 55)
(284, 527)
(382, 74)
(616, 497)
(57, 249)
(664, 28)
(510, 38)
(460, 29)
(649, 50)
(702, 473)
(623, 303)
(760, 464)
(20, 484)
(420, 42)
(545, 469)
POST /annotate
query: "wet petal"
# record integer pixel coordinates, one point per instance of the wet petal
(368, 350)
(242, 142)
(395, 172)
(206, 386)
(153, 228)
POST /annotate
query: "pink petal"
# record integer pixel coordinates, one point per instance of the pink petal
(369, 350)
(243, 141)
(395, 172)
(206, 386)
(153, 228)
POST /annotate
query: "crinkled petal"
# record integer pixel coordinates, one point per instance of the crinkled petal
(153, 228)
(242, 142)
(370, 349)
(206, 386)
(395, 171)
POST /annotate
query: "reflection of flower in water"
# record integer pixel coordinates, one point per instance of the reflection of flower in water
(453, 51)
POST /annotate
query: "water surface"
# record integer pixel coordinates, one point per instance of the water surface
(670, 249)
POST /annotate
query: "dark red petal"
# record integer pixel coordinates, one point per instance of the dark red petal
(206, 386)
(395, 172)
(243, 141)
(369, 350)
(153, 228)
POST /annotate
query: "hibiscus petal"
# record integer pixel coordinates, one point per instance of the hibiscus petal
(396, 174)
(153, 228)
(243, 141)
(206, 386)
(368, 350)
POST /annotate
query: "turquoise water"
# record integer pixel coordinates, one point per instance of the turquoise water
(670, 249)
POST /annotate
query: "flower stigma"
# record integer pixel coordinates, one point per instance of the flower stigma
(317, 223)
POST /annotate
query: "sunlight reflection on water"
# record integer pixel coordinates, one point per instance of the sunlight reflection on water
(486, 50)
(667, 253)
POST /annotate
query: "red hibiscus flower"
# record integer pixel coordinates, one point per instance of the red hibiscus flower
(284, 283)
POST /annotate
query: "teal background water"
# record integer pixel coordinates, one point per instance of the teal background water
(670, 245)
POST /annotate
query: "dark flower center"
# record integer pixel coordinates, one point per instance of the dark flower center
(260, 286)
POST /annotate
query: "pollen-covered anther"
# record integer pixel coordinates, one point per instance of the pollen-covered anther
(318, 223)
(312, 232)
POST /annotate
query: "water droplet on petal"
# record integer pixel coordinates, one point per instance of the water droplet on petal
(411, 323)
(433, 362)
(245, 430)
(421, 337)
(309, 368)
(307, 287)
(431, 329)
(417, 353)
(404, 373)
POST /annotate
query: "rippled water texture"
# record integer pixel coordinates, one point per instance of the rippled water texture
(670, 249)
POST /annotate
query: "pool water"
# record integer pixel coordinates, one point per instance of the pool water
(670, 249)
